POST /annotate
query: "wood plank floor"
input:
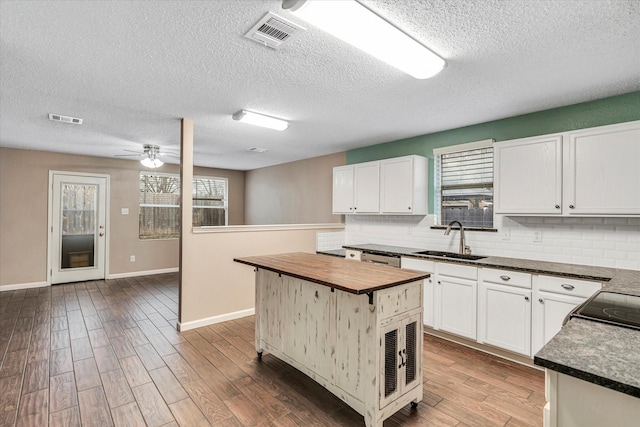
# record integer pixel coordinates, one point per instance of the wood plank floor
(106, 353)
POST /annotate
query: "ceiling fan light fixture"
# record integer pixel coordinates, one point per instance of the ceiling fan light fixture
(357, 25)
(151, 163)
(262, 120)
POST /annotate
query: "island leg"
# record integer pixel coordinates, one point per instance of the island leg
(258, 316)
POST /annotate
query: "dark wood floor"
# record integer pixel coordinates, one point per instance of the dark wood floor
(107, 353)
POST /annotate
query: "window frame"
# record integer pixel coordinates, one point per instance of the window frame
(225, 200)
(438, 153)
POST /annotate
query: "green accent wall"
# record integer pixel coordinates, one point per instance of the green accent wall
(616, 109)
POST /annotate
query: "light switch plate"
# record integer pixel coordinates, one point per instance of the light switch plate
(124, 211)
(537, 236)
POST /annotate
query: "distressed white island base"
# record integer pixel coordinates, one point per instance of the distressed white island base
(362, 342)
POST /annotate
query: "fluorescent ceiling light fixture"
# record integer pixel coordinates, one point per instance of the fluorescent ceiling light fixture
(260, 120)
(353, 23)
(151, 163)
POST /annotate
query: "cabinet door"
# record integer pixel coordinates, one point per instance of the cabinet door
(603, 176)
(528, 176)
(367, 188)
(505, 317)
(401, 357)
(397, 185)
(456, 305)
(343, 186)
(549, 312)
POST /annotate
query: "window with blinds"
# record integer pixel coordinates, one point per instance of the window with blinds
(464, 181)
(160, 204)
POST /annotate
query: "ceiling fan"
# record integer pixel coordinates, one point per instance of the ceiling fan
(149, 155)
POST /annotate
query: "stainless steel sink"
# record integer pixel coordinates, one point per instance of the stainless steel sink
(451, 255)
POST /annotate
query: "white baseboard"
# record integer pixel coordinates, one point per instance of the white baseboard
(142, 273)
(19, 286)
(215, 319)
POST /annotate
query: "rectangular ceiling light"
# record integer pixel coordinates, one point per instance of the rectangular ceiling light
(260, 120)
(353, 23)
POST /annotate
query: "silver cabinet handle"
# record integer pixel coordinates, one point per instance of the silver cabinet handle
(568, 287)
(540, 300)
(526, 298)
(505, 278)
(101, 234)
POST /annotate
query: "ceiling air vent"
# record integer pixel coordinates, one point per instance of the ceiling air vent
(65, 119)
(273, 31)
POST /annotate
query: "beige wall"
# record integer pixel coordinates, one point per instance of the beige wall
(213, 285)
(24, 176)
(292, 193)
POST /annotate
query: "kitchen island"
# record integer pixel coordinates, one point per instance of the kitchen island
(354, 328)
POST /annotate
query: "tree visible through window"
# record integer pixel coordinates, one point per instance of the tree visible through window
(464, 181)
(160, 204)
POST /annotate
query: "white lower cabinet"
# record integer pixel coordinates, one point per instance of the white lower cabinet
(428, 293)
(455, 299)
(553, 299)
(504, 310)
(574, 402)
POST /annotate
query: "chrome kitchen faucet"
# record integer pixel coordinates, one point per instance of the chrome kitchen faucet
(464, 249)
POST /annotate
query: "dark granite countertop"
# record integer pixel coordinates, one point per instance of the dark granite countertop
(586, 272)
(596, 352)
(602, 354)
(333, 252)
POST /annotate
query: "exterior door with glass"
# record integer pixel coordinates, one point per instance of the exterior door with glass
(78, 211)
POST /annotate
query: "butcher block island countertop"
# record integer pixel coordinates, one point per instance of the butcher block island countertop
(354, 328)
(338, 273)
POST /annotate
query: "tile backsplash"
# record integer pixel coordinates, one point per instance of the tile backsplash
(607, 242)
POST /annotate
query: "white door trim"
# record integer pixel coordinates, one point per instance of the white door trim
(50, 218)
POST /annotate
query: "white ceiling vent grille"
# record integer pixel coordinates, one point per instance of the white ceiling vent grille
(273, 31)
(65, 119)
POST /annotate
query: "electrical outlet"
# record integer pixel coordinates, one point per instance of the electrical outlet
(537, 236)
(506, 234)
(133, 258)
(124, 211)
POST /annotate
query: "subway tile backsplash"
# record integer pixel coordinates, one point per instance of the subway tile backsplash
(607, 242)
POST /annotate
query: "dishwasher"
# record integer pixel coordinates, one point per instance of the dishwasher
(390, 260)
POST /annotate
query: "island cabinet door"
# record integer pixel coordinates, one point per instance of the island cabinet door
(401, 358)
(308, 321)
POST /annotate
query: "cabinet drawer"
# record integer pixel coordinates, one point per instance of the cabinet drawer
(505, 277)
(418, 264)
(562, 285)
(399, 299)
(352, 255)
(457, 270)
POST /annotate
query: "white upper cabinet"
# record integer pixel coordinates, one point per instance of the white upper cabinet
(404, 185)
(343, 189)
(356, 188)
(590, 172)
(528, 176)
(392, 186)
(603, 171)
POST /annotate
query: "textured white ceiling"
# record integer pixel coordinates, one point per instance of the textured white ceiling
(132, 69)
